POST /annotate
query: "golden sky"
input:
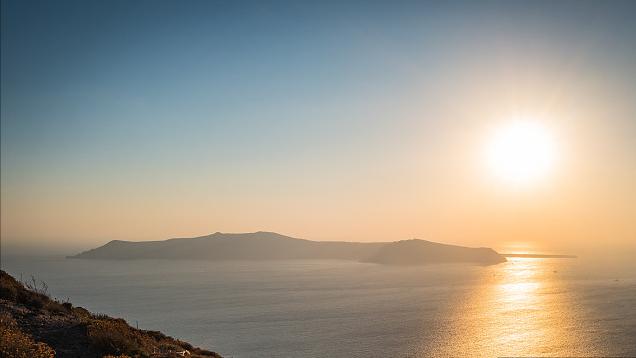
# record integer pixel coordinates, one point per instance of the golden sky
(324, 133)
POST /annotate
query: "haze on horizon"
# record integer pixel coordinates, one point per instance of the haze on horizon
(358, 121)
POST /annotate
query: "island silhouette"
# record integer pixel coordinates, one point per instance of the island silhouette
(272, 246)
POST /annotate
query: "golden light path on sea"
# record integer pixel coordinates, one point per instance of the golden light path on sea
(520, 308)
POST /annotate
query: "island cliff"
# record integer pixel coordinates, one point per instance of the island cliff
(273, 246)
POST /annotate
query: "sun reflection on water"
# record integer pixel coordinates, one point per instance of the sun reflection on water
(520, 308)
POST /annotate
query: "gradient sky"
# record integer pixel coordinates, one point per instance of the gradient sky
(357, 120)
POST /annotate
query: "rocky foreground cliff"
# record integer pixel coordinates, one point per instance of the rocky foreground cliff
(32, 325)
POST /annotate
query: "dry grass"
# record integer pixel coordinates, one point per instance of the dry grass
(103, 335)
(16, 344)
(115, 337)
(31, 294)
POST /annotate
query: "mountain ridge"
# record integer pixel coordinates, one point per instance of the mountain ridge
(263, 245)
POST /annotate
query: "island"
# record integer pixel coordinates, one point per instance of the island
(272, 246)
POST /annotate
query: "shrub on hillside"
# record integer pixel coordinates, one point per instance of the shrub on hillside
(16, 344)
(101, 334)
(113, 336)
(12, 290)
(31, 294)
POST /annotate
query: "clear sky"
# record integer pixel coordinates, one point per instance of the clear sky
(343, 120)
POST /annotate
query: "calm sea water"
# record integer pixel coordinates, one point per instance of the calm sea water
(538, 307)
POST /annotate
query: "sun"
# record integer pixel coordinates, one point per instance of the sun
(521, 152)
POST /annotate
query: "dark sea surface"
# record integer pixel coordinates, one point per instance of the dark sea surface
(524, 307)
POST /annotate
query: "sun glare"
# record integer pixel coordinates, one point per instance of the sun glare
(521, 152)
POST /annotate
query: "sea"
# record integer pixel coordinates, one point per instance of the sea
(542, 307)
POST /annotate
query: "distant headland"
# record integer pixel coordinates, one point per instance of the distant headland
(272, 246)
